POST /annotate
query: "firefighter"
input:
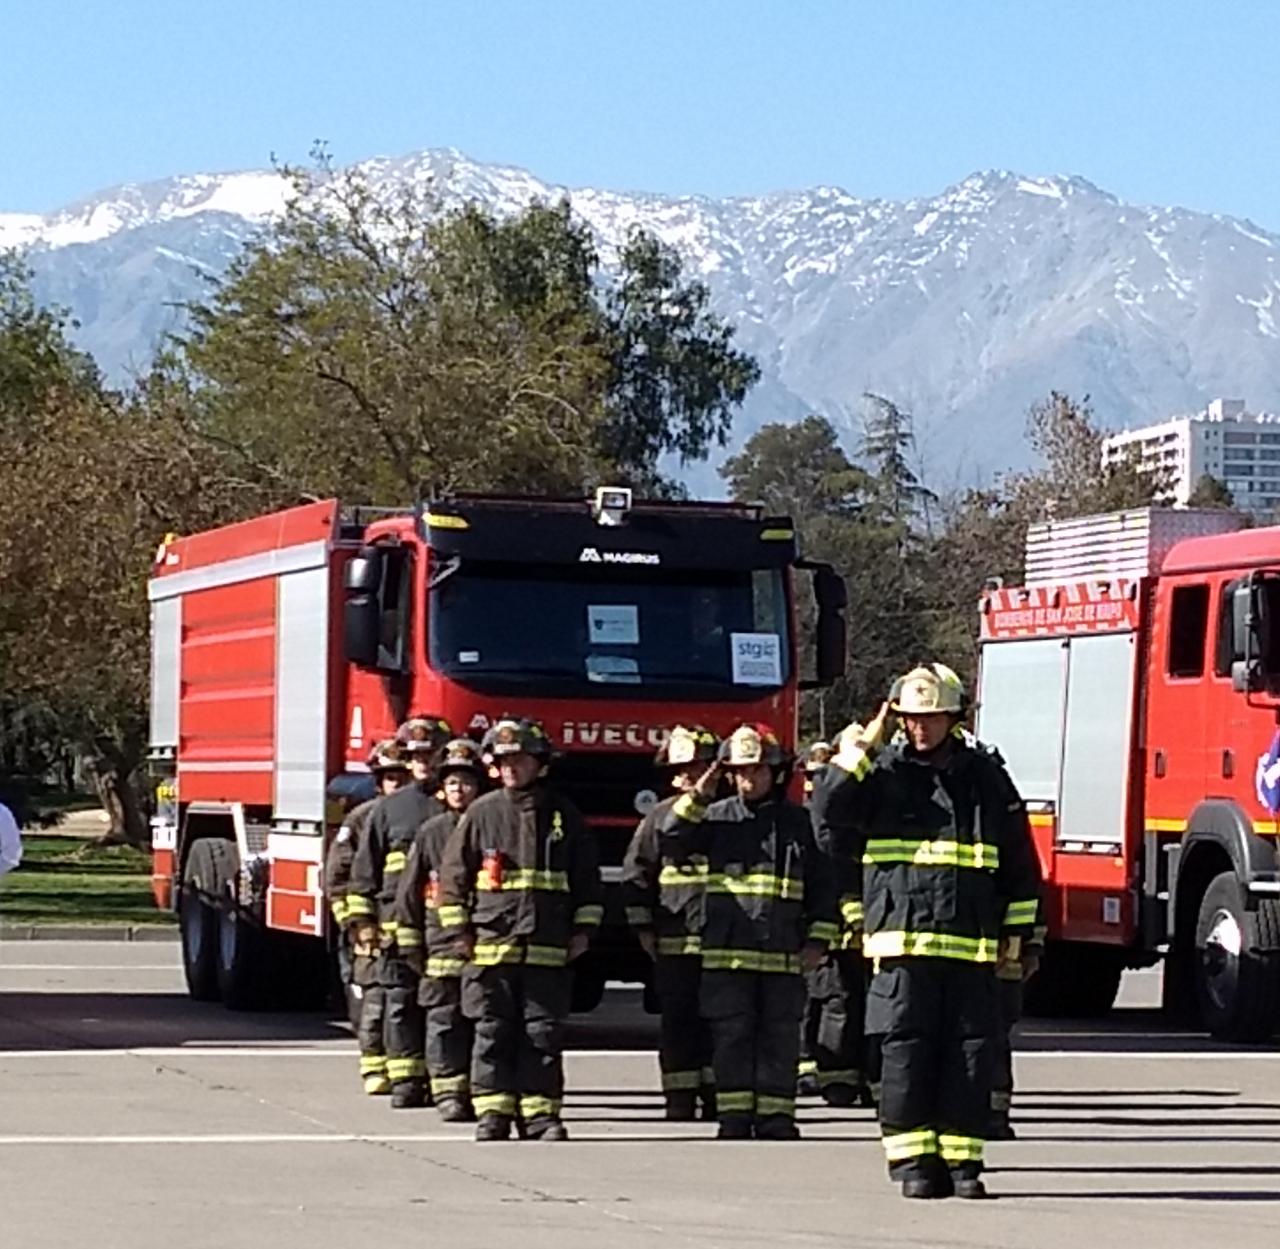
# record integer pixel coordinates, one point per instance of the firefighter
(359, 959)
(664, 889)
(375, 877)
(462, 775)
(950, 888)
(520, 892)
(769, 914)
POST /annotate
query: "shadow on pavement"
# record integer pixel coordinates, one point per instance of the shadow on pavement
(1191, 1168)
(1225, 1195)
(1127, 1028)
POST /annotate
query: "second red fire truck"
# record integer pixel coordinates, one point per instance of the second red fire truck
(285, 646)
(1133, 685)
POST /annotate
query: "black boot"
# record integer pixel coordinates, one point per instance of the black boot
(971, 1188)
(493, 1127)
(777, 1128)
(840, 1095)
(734, 1128)
(454, 1109)
(546, 1128)
(681, 1106)
(408, 1096)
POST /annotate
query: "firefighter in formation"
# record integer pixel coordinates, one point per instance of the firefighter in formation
(950, 891)
(769, 915)
(379, 861)
(520, 895)
(664, 891)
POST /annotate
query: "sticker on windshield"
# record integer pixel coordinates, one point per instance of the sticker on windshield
(468, 657)
(757, 658)
(613, 624)
(613, 670)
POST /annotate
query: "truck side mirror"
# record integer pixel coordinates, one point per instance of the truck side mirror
(361, 612)
(831, 641)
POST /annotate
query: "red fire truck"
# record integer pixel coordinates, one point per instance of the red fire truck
(285, 646)
(1133, 685)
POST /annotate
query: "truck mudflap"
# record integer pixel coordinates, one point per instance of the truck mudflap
(295, 889)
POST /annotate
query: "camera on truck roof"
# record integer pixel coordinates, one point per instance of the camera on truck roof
(612, 504)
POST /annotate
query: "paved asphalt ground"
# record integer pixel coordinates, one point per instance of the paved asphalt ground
(131, 1118)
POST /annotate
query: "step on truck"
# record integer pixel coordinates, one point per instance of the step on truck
(1132, 683)
(285, 646)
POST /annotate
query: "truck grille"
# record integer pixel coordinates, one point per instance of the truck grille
(603, 787)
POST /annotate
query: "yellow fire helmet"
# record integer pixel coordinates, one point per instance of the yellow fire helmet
(750, 744)
(930, 690)
(687, 745)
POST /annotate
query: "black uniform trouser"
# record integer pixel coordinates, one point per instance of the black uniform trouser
(1010, 995)
(832, 1036)
(519, 1013)
(684, 1044)
(755, 1035)
(936, 1019)
(371, 1023)
(406, 1066)
(449, 1035)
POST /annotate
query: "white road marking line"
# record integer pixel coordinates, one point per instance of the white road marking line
(662, 1129)
(4, 967)
(258, 1051)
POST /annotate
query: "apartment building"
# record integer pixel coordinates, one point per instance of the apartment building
(1239, 448)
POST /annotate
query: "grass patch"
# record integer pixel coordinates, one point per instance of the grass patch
(67, 880)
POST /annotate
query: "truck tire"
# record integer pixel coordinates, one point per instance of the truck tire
(206, 880)
(1237, 964)
(1074, 981)
(241, 947)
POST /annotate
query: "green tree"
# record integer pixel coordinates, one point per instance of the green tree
(1211, 492)
(386, 349)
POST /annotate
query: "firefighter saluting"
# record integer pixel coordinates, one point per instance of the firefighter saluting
(664, 889)
(770, 911)
(520, 893)
(950, 889)
(375, 877)
(462, 776)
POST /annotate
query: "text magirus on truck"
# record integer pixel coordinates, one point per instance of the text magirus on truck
(1133, 685)
(285, 646)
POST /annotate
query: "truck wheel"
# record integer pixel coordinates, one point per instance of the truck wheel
(240, 947)
(1237, 965)
(1074, 981)
(206, 879)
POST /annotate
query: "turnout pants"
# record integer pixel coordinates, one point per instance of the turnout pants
(936, 1019)
(1010, 1003)
(406, 1066)
(516, 1063)
(449, 1034)
(684, 1045)
(370, 1022)
(832, 1038)
(755, 1035)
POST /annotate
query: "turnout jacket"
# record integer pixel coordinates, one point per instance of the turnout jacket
(520, 871)
(943, 851)
(383, 853)
(419, 934)
(769, 887)
(664, 885)
(341, 855)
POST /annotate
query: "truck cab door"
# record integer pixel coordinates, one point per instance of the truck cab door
(1178, 766)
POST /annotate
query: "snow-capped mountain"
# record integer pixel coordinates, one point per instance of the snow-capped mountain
(965, 307)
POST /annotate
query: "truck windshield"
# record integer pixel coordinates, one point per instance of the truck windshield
(590, 630)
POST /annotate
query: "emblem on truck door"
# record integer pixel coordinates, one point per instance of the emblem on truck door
(1267, 777)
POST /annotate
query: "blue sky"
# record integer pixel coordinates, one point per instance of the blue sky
(1171, 102)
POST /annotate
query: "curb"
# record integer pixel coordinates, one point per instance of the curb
(88, 932)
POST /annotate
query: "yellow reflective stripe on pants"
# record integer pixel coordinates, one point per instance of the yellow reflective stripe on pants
(453, 916)
(588, 916)
(851, 911)
(676, 876)
(358, 907)
(449, 1086)
(929, 945)
(681, 1081)
(373, 1064)
(406, 1068)
(1018, 913)
(639, 916)
(750, 960)
(493, 953)
(338, 907)
(849, 1076)
(766, 1105)
(671, 947)
(960, 1148)
(494, 1104)
(396, 861)
(980, 855)
(758, 885)
(735, 1103)
(904, 1145)
(388, 927)
(445, 966)
(524, 878)
(409, 938)
(532, 1106)
(807, 1067)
